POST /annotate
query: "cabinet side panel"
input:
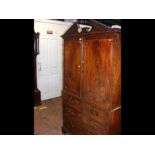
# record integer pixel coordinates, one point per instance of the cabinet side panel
(115, 122)
(116, 101)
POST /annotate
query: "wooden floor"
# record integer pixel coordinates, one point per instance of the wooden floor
(48, 117)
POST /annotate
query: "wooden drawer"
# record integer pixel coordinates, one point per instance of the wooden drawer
(72, 114)
(93, 128)
(74, 128)
(92, 111)
(72, 120)
(71, 101)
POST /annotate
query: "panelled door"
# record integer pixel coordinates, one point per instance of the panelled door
(72, 65)
(49, 67)
(96, 76)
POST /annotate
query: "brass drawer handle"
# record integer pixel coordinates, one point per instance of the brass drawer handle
(72, 113)
(93, 110)
(92, 126)
(69, 100)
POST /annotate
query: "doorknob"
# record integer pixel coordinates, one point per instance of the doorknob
(39, 66)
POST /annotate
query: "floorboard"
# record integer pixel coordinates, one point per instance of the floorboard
(48, 117)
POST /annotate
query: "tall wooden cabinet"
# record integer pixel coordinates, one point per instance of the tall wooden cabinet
(92, 79)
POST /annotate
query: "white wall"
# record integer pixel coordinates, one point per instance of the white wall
(58, 27)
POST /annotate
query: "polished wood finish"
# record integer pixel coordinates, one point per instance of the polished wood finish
(72, 66)
(92, 80)
(37, 96)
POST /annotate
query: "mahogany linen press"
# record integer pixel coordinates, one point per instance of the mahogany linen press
(92, 79)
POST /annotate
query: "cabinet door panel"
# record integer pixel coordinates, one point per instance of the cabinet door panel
(72, 66)
(97, 80)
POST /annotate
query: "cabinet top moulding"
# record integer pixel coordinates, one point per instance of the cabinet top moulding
(95, 28)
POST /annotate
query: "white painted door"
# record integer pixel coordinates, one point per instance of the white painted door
(49, 67)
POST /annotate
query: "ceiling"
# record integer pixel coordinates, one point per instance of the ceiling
(107, 22)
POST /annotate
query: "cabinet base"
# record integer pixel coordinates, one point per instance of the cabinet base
(64, 130)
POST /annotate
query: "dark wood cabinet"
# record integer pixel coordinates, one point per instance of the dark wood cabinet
(36, 92)
(92, 79)
(72, 66)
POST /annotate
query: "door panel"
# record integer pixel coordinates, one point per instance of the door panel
(97, 79)
(49, 67)
(72, 72)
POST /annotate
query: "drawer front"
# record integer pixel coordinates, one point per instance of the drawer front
(71, 101)
(72, 120)
(92, 111)
(93, 128)
(72, 114)
(75, 128)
